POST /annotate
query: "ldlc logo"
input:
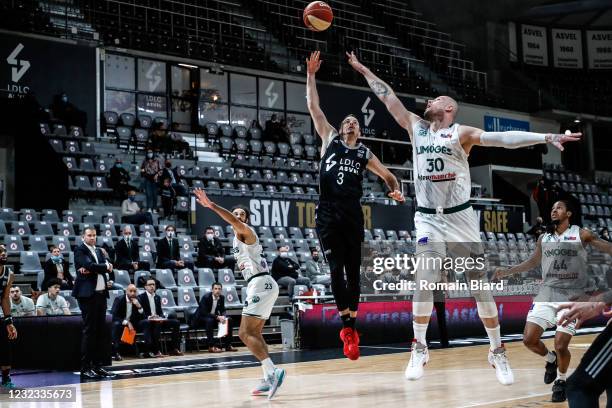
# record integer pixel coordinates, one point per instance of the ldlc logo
(19, 66)
(368, 114)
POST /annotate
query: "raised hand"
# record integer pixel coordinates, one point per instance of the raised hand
(354, 62)
(202, 198)
(313, 63)
(557, 140)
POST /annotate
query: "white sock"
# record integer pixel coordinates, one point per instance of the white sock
(561, 376)
(550, 357)
(494, 337)
(268, 367)
(420, 332)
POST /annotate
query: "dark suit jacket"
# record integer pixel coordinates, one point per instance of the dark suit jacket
(123, 257)
(163, 251)
(208, 250)
(119, 311)
(144, 301)
(85, 284)
(206, 303)
(51, 272)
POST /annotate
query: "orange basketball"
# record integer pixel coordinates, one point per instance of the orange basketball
(318, 16)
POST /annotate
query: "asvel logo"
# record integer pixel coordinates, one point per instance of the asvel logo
(422, 132)
(368, 114)
(329, 163)
(272, 96)
(153, 77)
(19, 66)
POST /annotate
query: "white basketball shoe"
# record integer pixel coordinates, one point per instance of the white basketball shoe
(499, 360)
(419, 356)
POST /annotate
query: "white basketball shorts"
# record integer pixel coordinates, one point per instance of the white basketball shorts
(261, 294)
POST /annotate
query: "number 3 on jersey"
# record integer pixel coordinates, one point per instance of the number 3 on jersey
(340, 179)
(435, 164)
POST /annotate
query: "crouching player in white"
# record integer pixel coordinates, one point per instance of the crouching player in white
(563, 258)
(444, 215)
(262, 290)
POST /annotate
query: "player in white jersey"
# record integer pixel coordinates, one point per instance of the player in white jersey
(563, 258)
(444, 214)
(262, 290)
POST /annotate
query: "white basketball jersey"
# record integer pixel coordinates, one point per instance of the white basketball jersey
(249, 257)
(441, 168)
(564, 266)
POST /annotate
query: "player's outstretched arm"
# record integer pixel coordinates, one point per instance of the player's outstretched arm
(589, 237)
(376, 167)
(531, 263)
(383, 91)
(313, 63)
(240, 227)
(513, 139)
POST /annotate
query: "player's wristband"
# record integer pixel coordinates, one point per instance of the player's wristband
(8, 320)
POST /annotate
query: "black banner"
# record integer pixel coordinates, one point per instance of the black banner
(47, 68)
(500, 218)
(301, 213)
(337, 102)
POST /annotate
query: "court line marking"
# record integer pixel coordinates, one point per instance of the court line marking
(480, 404)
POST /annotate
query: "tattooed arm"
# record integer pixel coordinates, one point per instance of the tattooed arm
(384, 92)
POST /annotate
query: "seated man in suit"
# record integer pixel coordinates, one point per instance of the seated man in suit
(127, 256)
(151, 304)
(128, 312)
(210, 313)
(211, 253)
(168, 252)
(57, 268)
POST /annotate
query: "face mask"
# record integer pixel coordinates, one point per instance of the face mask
(2, 261)
(132, 198)
(150, 155)
(64, 99)
(284, 254)
(56, 259)
(210, 236)
(315, 258)
(127, 237)
(118, 165)
(170, 234)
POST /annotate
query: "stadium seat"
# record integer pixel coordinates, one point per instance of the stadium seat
(128, 119)
(99, 184)
(65, 229)
(147, 244)
(186, 278)
(270, 148)
(167, 300)
(283, 149)
(255, 133)
(227, 145)
(219, 233)
(72, 147)
(29, 263)
(124, 137)
(187, 298)
(295, 232)
(110, 119)
(299, 290)
(28, 215)
(122, 278)
(43, 228)
(182, 205)
(231, 297)
(82, 183)
(146, 256)
(7, 214)
(112, 295)
(141, 277)
(20, 228)
(63, 243)
(57, 145)
(206, 277)
(38, 244)
(226, 130)
(86, 165)
(226, 277)
(73, 304)
(76, 131)
(50, 215)
(165, 278)
(212, 129)
(309, 139)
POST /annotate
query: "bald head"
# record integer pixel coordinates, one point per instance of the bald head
(440, 108)
(131, 291)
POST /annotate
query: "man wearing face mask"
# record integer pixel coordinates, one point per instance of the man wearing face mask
(286, 271)
(131, 213)
(168, 252)
(127, 255)
(314, 270)
(175, 179)
(211, 253)
(6, 281)
(57, 268)
(150, 171)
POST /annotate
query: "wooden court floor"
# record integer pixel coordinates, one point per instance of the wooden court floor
(456, 377)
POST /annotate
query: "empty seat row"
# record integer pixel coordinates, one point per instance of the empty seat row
(73, 147)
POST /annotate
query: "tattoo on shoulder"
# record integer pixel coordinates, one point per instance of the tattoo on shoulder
(379, 88)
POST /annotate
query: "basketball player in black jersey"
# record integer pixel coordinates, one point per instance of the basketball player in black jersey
(339, 218)
(6, 281)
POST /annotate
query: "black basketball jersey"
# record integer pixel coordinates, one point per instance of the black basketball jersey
(341, 171)
(4, 279)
